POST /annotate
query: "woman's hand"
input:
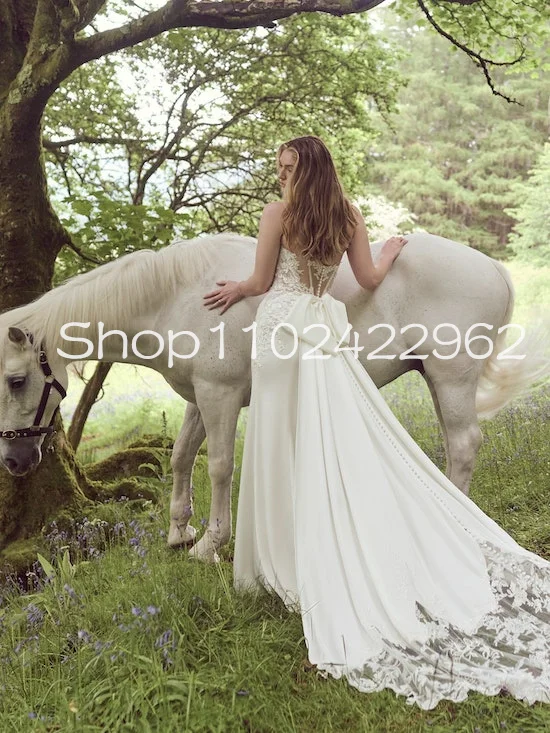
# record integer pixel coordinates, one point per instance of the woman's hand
(226, 296)
(394, 245)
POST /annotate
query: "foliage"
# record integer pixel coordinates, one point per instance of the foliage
(384, 219)
(180, 138)
(530, 239)
(454, 153)
(501, 32)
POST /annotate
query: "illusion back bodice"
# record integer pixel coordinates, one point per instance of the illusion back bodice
(294, 276)
(297, 274)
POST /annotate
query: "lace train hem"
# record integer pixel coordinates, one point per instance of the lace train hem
(509, 651)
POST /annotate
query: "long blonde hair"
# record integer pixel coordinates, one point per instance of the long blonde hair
(317, 217)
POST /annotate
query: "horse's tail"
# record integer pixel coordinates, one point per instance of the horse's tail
(502, 380)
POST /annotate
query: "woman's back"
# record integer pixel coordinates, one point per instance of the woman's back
(314, 275)
(297, 273)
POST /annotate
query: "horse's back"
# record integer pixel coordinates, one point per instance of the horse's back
(433, 281)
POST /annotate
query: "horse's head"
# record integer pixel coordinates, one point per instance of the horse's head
(29, 397)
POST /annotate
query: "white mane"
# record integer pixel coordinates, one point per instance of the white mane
(117, 291)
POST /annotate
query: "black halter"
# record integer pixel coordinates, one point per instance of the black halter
(50, 381)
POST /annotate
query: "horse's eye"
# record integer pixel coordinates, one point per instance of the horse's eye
(16, 383)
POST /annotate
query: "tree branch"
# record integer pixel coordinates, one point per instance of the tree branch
(87, 258)
(479, 60)
(45, 31)
(88, 10)
(168, 144)
(15, 29)
(69, 16)
(226, 14)
(53, 145)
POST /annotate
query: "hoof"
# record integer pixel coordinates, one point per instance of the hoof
(180, 534)
(204, 550)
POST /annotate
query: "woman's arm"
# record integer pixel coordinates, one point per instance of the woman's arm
(368, 274)
(267, 251)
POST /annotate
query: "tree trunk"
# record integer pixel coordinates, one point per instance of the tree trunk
(30, 239)
(86, 402)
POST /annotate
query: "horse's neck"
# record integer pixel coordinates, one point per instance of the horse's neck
(84, 329)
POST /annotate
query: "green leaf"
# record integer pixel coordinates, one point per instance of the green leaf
(47, 567)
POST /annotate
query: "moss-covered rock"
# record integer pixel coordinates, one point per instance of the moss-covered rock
(131, 489)
(97, 529)
(61, 494)
(126, 463)
(153, 440)
(18, 557)
(160, 441)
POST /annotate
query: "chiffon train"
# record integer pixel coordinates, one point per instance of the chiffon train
(401, 580)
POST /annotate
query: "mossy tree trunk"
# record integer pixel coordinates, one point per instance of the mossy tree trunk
(30, 239)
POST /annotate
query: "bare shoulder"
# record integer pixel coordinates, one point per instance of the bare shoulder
(357, 211)
(272, 215)
(354, 228)
(274, 208)
(271, 222)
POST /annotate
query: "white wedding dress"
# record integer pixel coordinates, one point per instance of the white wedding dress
(401, 580)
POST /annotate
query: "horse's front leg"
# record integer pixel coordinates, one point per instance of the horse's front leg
(184, 452)
(219, 405)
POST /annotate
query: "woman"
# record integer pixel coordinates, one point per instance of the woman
(401, 580)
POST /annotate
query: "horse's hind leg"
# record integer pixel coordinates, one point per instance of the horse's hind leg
(185, 450)
(433, 393)
(455, 386)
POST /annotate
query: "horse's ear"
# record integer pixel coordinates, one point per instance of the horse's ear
(17, 336)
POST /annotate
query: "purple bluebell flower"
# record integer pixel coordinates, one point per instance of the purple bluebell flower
(84, 636)
(34, 615)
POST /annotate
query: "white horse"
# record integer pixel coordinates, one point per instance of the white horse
(433, 281)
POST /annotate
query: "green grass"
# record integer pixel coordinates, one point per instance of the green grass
(132, 636)
(228, 662)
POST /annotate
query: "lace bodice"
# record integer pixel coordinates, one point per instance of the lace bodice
(297, 274)
(294, 276)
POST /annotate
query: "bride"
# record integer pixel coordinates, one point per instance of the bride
(401, 580)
